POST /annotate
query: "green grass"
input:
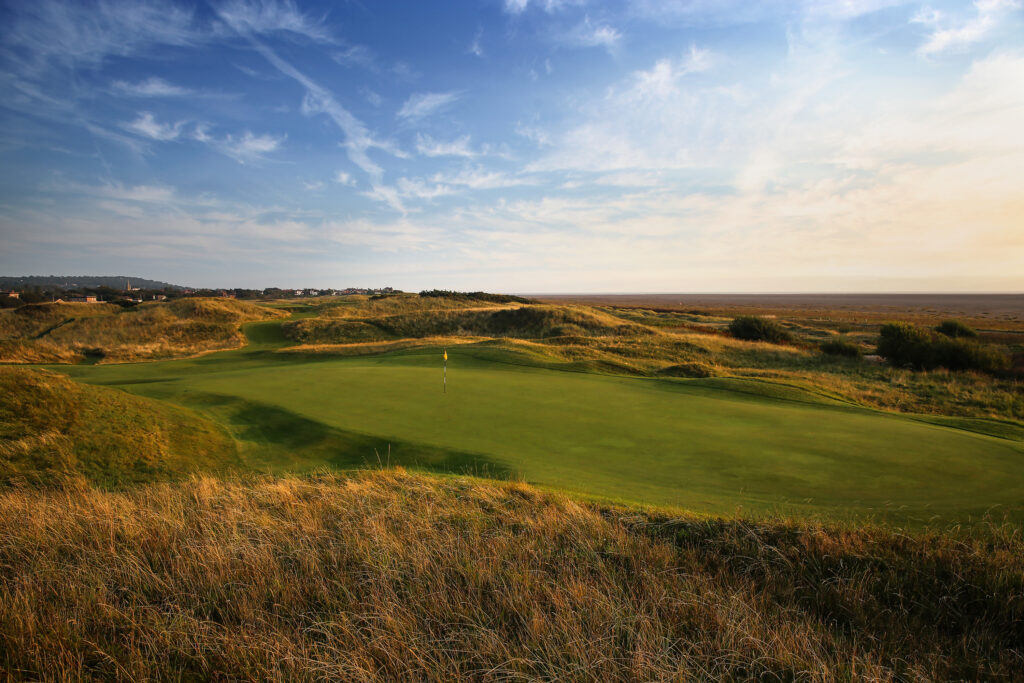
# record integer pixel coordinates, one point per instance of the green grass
(713, 445)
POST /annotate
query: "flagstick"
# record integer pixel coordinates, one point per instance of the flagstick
(444, 382)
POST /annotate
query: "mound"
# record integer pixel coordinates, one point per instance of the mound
(63, 333)
(525, 322)
(35, 319)
(222, 310)
(53, 430)
(389, 576)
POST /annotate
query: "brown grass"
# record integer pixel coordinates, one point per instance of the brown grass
(389, 576)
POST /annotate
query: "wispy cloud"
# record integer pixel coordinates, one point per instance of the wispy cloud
(388, 195)
(112, 190)
(590, 34)
(656, 118)
(950, 35)
(344, 178)
(245, 148)
(459, 147)
(421, 105)
(476, 47)
(480, 178)
(151, 87)
(419, 189)
(147, 126)
(50, 32)
(269, 16)
(250, 147)
(356, 55)
(549, 6)
(317, 100)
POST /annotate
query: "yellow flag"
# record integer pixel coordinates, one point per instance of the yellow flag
(446, 354)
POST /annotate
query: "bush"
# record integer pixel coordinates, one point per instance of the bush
(956, 329)
(963, 354)
(841, 347)
(755, 328)
(902, 344)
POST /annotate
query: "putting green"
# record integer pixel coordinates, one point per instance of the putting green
(706, 446)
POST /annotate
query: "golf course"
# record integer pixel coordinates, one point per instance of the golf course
(712, 445)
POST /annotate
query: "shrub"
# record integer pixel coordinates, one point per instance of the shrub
(955, 329)
(902, 344)
(963, 354)
(841, 347)
(755, 328)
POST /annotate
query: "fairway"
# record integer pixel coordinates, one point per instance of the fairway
(712, 447)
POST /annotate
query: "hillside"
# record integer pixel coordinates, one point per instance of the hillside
(70, 333)
(390, 576)
(53, 430)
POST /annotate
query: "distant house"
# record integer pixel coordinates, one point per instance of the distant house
(13, 295)
(82, 300)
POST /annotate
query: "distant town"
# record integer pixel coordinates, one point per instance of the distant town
(16, 292)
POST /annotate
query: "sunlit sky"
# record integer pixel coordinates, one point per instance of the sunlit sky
(517, 145)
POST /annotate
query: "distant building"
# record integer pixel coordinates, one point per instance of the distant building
(81, 300)
(13, 295)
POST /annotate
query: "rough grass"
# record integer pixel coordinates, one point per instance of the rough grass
(53, 430)
(67, 333)
(525, 322)
(389, 576)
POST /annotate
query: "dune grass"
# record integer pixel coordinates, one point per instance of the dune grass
(69, 333)
(53, 431)
(390, 576)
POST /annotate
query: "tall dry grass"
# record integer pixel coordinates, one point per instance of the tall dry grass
(389, 576)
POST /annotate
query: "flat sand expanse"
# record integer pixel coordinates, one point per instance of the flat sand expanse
(1005, 308)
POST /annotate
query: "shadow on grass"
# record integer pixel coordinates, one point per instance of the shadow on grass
(284, 440)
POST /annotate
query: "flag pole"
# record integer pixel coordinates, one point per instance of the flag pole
(444, 381)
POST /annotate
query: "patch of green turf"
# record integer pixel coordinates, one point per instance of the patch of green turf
(704, 445)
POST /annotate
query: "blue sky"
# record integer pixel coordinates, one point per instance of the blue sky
(517, 145)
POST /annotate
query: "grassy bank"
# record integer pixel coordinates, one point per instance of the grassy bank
(104, 333)
(54, 431)
(392, 576)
